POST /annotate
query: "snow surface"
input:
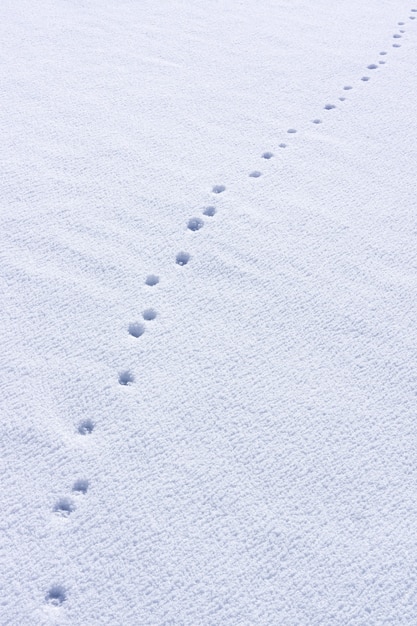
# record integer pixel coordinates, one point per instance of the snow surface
(208, 390)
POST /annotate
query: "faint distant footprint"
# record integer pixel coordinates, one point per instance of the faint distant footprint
(218, 189)
(267, 155)
(255, 174)
(329, 107)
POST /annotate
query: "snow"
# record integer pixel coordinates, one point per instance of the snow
(209, 293)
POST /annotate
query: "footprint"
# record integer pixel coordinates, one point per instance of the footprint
(267, 155)
(218, 189)
(152, 280)
(136, 329)
(381, 62)
(56, 595)
(402, 31)
(64, 507)
(372, 66)
(195, 223)
(182, 258)
(282, 145)
(383, 53)
(412, 17)
(396, 36)
(342, 99)
(316, 121)
(126, 378)
(210, 211)
(347, 87)
(86, 427)
(365, 79)
(291, 131)
(401, 23)
(149, 314)
(329, 107)
(80, 486)
(396, 45)
(413, 10)
(255, 174)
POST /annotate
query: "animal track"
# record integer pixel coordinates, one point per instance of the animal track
(182, 258)
(365, 79)
(218, 188)
(372, 66)
(401, 23)
(342, 98)
(316, 121)
(291, 131)
(267, 155)
(347, 87)
(152, 280)
(80, 486)
(86, 427)
(396, 36)
(282, 145)
(64, 507)
(329, 107)
(56, 595)
(136, 329)
(210, 211)
(255, 174)
(382, 62)
(149, 314)
(396, 45)
(383, 52)
(126, 378)
(195, 223)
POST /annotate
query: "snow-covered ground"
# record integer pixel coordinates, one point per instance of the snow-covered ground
(258, 464)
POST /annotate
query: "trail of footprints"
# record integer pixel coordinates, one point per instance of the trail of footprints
(66, 505)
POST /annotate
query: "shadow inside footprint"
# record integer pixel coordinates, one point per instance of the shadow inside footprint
(86, 427)
(56, 595)
(218, 188)
(152, 280)
(255, 174)
(136, 329)
(195, 223)
(80, 486)
(267, 155)
(126, 378)
(210, 211)
(149, 314)
(64, 507)
(182, 258)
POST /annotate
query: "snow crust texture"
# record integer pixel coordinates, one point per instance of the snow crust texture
(209, 378)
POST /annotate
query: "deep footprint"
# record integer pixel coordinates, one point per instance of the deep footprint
(291, 131)
(86, 427)
(149, 314)
(152, 280)
(195, 223)
(126, 378)
(210, 211)
(136, 329)
(267, 155)
(64, 507)
(56, 595)
(182, 258)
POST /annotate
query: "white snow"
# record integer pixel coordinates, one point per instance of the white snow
(208, 252)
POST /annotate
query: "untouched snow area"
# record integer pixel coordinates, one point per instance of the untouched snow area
(213, 421)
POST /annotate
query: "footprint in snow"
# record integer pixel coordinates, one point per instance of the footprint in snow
(126, 378)
(267, 155)
(329, 107)
(210, 211)
(255, 174)
(86, 427)
(182, 258)
(149, 314)
(152, 280)
(64, 507)
(136, 329)
(195, 223)
(218, 189)
(80, 486)
(56, 595)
